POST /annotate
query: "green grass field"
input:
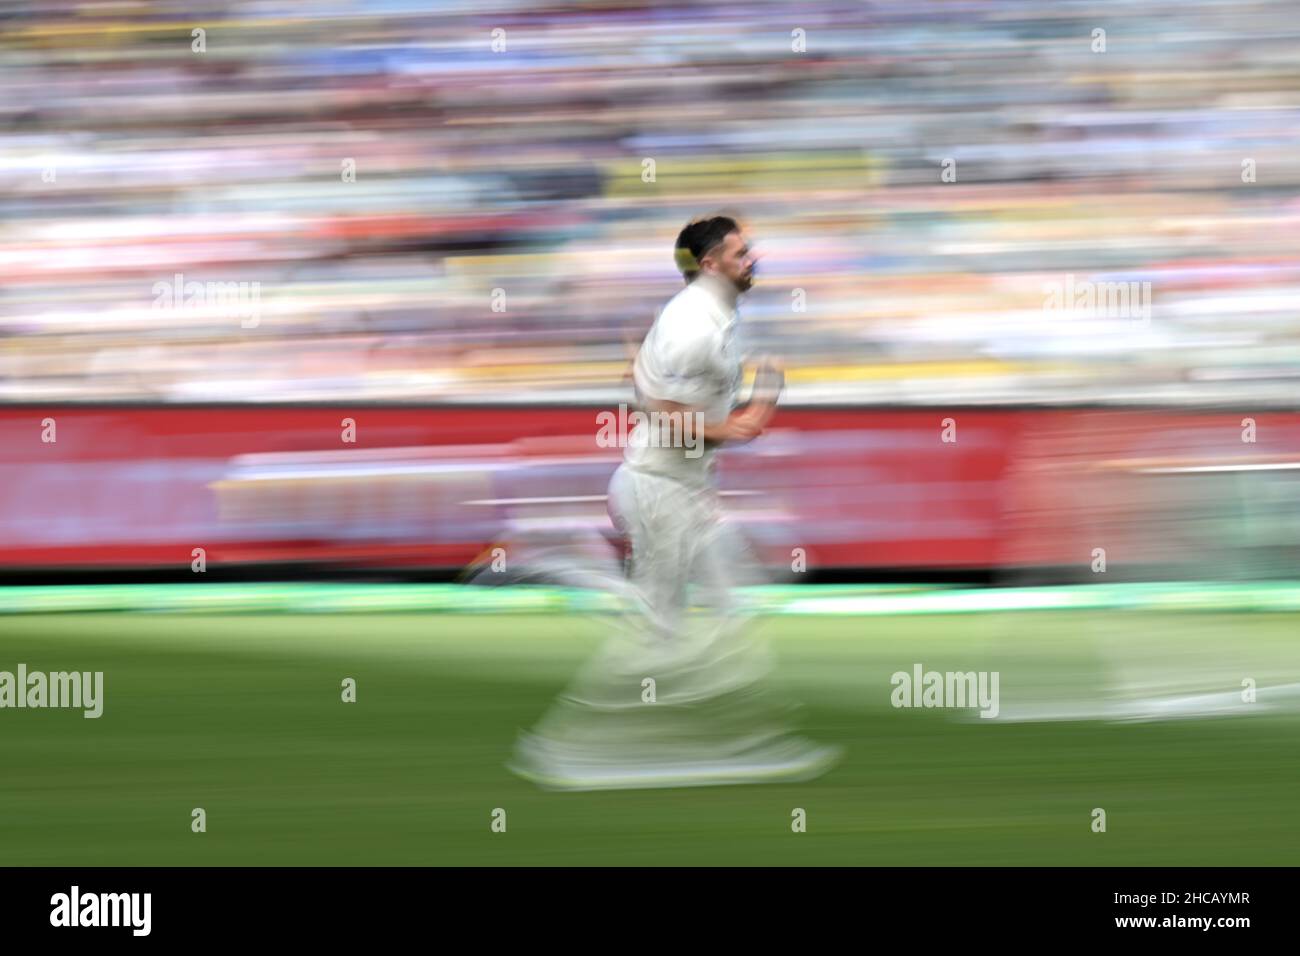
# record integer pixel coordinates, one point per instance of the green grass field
(241, 715)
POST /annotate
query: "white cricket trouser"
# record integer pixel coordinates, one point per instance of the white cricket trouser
(678, 541)
(673, 684)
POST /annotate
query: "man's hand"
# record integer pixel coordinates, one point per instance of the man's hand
(758, 414)
(746, 424)
(769, 380)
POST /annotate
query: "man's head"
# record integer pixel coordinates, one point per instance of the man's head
(716, 246)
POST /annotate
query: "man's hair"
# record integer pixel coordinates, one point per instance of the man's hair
(695, 241)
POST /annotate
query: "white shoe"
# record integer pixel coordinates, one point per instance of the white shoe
(789, 761)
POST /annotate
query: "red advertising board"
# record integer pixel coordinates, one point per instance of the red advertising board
(143, 486)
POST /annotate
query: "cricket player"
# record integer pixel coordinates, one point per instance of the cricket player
(678, 698)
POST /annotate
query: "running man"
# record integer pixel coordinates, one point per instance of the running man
(679, 698)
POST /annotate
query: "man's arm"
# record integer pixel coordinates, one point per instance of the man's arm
(769, 383)
(749, 420)
(742, 425)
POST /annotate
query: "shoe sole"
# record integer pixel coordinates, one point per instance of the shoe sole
(791, 772)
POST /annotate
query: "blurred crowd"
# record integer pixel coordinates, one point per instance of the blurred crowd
(477, 201)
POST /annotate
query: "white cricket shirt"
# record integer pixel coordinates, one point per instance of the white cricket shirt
(689, 356)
